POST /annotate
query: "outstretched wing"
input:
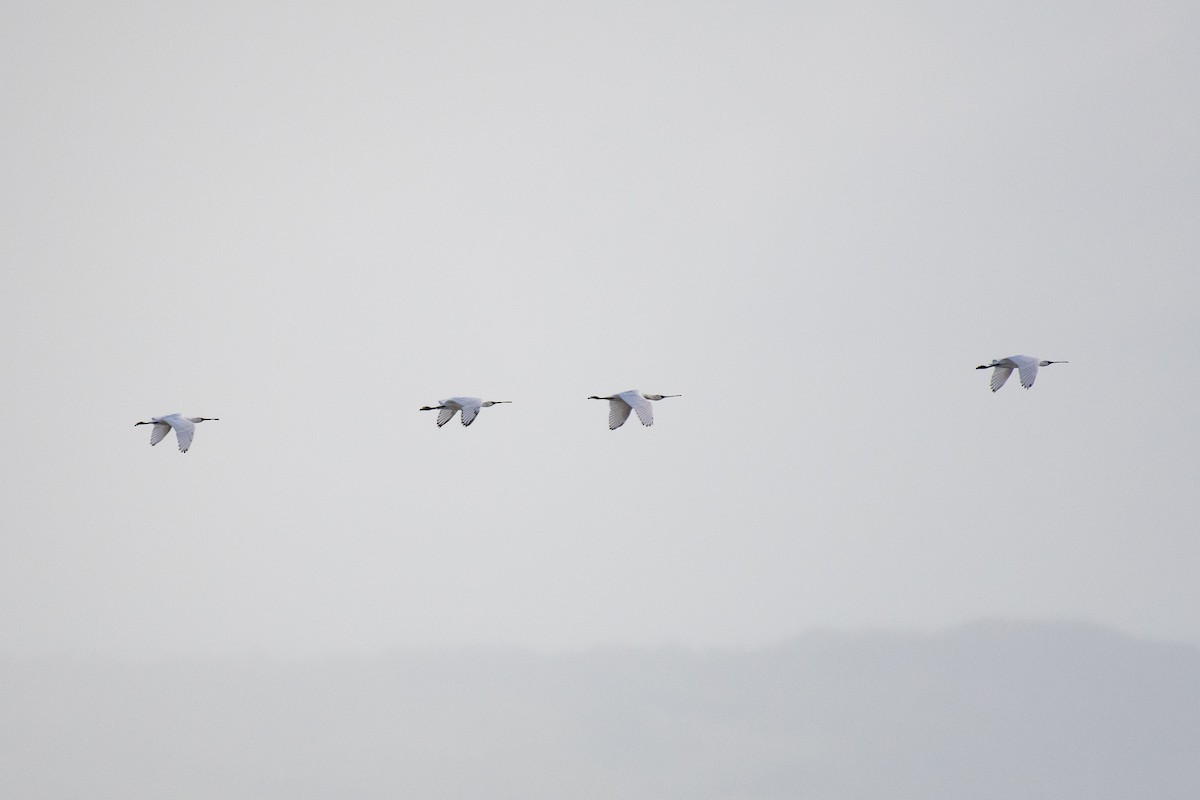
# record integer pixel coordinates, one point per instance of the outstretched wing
(158, 431)
(446, 414)
(999, 376)
(618, 412)
(1028, 367)
(641, 405)
(184, 428)
(470, 410)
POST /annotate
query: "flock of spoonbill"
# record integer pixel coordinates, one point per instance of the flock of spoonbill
(620, 405)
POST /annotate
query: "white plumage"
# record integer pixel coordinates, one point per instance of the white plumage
(620, 404)
(1026, 366)
(469, 406)
(184, 428)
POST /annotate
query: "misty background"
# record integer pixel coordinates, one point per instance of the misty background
(989, 710)
(812, 220)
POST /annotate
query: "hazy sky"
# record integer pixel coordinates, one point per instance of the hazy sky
(811, 219)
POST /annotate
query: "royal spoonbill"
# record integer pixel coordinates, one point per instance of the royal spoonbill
(619, 406)
(184, 428)
(1026, 365)
(468, 405)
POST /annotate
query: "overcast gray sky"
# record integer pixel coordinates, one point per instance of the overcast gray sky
(812, 220)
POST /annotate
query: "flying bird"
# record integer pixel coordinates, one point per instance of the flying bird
(1027, 366)
(619, 406)
(468, 405)
(184, 428)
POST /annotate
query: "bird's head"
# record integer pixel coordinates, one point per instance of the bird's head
(488, 403)
(1048, 363)
(203, 419)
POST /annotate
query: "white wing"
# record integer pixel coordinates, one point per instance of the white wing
(183, 431)
(999, 376)
(1028, 367)
(641, 405)
(470, 408)
(158, 431)
(446, 414)
(618, 412)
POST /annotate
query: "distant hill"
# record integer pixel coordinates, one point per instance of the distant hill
(991, 710)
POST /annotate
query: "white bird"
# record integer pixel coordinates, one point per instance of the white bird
(619, 406)
(469, 406)
(1027, 366)
(184, 428)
